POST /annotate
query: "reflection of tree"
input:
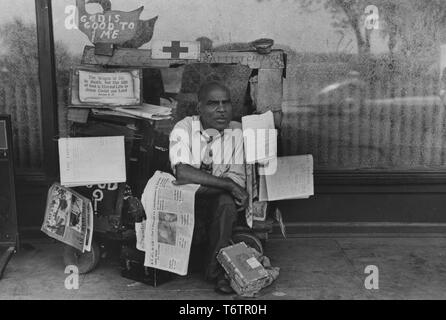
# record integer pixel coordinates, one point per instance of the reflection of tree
(19, 88)
(412, 25)
(20, 62)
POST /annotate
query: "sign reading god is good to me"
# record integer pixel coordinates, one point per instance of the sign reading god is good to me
(100, 87)
(111, 26)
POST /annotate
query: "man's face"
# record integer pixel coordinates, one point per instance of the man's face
(216, 111)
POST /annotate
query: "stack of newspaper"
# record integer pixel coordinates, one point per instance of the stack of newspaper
(146, 111)
(166, 235)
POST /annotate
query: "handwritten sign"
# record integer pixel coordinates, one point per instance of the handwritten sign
(104, 197)
(106, 87)
(114, 27)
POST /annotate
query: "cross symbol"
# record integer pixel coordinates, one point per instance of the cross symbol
(176, 49)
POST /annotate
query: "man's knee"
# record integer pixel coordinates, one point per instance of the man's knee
(225, 205)
(224, 199)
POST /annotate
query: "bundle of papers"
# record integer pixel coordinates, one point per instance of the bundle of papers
(247, 275)
(91, 161)
(147, 111)
(292, 179)
(111, 112)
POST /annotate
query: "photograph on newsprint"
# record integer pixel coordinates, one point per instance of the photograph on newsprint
(256, 151)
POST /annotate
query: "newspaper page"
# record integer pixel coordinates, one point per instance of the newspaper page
(92, 160)
(170, 223)
(260, 137)
(68, 218)
(293, 179)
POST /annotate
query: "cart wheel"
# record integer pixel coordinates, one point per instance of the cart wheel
(86, 261)
(250, 240)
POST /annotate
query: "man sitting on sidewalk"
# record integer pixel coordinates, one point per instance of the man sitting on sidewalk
(208, 150)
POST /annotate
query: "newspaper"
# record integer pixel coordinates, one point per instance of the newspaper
(293, 179)
(92, 160)
(69, 218)
(170, 223)
(260, 138)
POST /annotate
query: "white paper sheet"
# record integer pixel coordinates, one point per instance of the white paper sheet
(96, 160)
(293, 179)
(260, 137)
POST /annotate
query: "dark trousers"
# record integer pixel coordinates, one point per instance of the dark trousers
(215, 216)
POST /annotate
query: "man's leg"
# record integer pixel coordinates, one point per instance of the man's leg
(222, 216)
(200, 236)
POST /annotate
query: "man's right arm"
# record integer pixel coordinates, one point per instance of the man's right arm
(181, 158)
(186, 174)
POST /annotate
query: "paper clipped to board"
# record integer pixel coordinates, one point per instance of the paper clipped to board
(95, 160)
(260, 137)
(293, 179)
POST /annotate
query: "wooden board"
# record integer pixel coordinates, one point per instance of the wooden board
(270, 90)
(139, 58)
(105, 87)
(187, 50)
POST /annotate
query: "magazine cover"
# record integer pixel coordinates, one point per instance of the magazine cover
(68, 217)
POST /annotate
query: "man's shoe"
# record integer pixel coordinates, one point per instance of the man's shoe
(223, 287)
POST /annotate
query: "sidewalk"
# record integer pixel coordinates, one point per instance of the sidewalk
(409, 268)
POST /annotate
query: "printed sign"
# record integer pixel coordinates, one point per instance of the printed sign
(107, 87)
(175, 50)
(96, 86)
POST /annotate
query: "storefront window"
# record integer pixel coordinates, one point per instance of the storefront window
(378, 110)
(359, 94)
(19, 82)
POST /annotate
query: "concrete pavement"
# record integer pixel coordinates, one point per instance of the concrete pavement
(311, 268)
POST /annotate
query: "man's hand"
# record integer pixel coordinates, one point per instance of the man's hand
(240, 195)
(181, 182)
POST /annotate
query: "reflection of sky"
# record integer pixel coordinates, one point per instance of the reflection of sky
(221, 20)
